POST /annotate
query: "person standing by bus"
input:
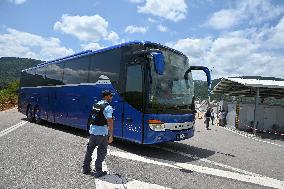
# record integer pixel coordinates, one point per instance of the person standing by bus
(207, 118)
(101, 133)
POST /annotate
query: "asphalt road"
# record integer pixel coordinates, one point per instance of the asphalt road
(50, 156)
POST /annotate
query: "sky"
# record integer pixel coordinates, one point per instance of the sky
(230, 37)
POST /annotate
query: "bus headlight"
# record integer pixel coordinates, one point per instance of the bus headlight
(157, 127)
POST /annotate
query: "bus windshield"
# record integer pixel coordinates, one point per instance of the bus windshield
(170, 92)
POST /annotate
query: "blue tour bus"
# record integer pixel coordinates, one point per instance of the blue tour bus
(152, 85)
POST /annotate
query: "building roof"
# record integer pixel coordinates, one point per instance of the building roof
(233, 86)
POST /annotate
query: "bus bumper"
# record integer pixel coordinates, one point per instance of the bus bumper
(155, 137)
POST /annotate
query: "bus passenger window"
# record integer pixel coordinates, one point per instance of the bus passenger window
(107, 64)
(76, 70)
(40, 77)
(54, 74)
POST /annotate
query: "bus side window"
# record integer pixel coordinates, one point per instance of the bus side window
(40, 77)
(134, 88)
(76, 70)
(54, 74)
(107, 64)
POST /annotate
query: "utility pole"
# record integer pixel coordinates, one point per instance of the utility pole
(255, 110)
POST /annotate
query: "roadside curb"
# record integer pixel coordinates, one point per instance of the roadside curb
(240, 132)
(251, 136)
(9, 109)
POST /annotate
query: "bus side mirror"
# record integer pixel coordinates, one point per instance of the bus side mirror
(207, 72)
(159, 62)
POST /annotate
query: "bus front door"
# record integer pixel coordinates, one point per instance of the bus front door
(132, 120)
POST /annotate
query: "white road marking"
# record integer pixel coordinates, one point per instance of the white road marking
(10, 129)
(254, 179)
(251, 137)
(209, 161)
(114, 181)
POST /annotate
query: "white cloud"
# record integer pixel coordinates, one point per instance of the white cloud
(135, 29)
(91, 46)
(152, 20)
(136, 1)
(192, 47)
(252, 12)
(174, 10)
(15, 43)
(224, 19)
(112, 36)
(233, 47)
(86, 28)
(237, 53)
(276, 36)
(17, 2)
(258, 11)
(162, 28)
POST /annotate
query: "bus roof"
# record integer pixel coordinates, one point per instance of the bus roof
(135, 42)
(87, 52)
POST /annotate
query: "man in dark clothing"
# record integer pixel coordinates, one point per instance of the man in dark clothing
(207, 118)
(101, 133)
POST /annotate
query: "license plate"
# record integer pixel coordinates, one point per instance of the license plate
(182, 136)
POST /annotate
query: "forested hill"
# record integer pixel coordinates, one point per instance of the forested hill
(10, 68)
(200, 89)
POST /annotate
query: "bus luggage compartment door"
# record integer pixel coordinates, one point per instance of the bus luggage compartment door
(51, 104)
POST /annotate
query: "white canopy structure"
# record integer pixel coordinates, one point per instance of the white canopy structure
(249, 86)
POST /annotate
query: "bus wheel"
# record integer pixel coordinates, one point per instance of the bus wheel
(37, 118)
(30, 114)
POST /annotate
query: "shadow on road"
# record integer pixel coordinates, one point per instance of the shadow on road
(63, 128)
(161, 151)
(172, 151)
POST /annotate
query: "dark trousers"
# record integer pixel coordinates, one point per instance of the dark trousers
(212, 119)
(207, 121)
(102, 143)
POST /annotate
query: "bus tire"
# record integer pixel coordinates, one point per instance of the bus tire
(37, 118)
(30, 114)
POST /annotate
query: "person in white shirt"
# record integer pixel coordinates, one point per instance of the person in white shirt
(212, 116)
(101, 133)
